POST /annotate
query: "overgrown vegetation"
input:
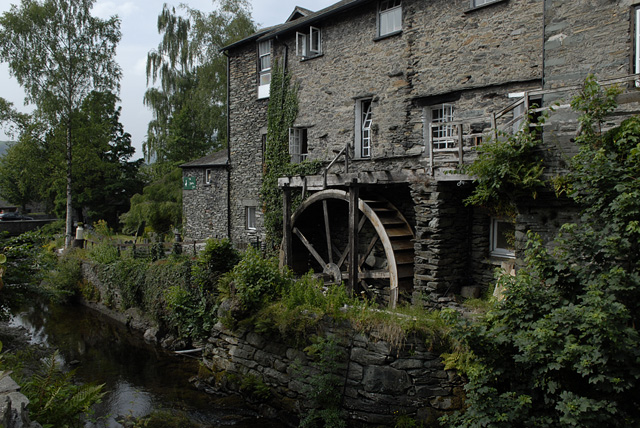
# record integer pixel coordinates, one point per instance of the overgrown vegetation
(562, 348)
(507, 169)
(55, 400)
(324, 393)
(281, 113)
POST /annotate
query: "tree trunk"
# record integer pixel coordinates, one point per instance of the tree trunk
(69, 218)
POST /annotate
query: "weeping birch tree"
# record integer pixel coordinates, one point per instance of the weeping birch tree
(59, 54)
(189, 102)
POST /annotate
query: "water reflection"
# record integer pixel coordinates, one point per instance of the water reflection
(139, 377)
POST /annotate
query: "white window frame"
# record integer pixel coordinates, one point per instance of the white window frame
(264, 68)
(389, 17)
(298, 144)
(478, 3)
(363, 128)
(518, 117)
(250, 217)
(309, 45)
(637, 43)
(496, 249)
(442, 137)
(208, 176)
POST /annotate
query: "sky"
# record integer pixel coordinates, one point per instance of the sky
(139, 36)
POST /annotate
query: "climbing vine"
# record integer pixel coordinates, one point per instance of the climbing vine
(508, 168)
(281, 113)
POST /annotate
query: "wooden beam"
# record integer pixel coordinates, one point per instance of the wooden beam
(354, 212)
(286, 226)
(309, 246)
(327, 230)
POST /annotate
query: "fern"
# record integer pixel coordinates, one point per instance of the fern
(55, 400)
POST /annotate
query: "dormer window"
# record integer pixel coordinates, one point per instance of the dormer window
(389, 17)
(309, 44)
(264, 68)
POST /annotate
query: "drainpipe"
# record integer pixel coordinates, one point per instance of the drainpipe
(228, 145)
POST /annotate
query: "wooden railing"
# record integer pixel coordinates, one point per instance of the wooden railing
(465, 138)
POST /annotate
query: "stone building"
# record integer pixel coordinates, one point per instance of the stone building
(394, 95)
(206, 197)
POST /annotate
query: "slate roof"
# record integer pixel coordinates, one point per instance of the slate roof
(219, 158)
(271, 32)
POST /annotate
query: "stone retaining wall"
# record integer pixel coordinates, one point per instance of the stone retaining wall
(379, 381)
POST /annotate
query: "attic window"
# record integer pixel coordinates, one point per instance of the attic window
(309, 44)
(389, 17)
(264, 68)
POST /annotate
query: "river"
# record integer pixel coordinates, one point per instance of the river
(139, 378)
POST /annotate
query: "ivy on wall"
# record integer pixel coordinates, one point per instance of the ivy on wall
(281, 113)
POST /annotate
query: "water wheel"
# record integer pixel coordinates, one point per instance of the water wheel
(320, 241)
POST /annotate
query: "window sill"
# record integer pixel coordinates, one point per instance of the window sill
(386, 36)
(309, 58)
(473, 9)
(503, 254)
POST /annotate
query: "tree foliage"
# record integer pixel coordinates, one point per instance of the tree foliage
(102, 151)
(189, 116)
(23, 169)
(562, 349)
(60, 53)
(33, 169)
(160, 203)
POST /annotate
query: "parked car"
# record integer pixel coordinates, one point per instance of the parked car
(12, 216)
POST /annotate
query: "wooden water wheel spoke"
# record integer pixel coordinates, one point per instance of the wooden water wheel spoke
(309, 246)
(327, 230)
(374, 274)
(372, 244)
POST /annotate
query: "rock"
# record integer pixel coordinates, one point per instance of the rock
(151, 335)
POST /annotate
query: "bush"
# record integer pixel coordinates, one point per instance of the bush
(190, 312)
(64, 281)
(254, 280)
(218, 257)
(104, 252)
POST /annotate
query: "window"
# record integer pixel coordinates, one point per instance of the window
(442, 134)
(208, 176)
(364, 121)
(264, 68)
(309, 44)
(502, 238)
(389, 17)
(518, 117)
(637, 44)
(298, 144)
(251, 218)
(477, 3)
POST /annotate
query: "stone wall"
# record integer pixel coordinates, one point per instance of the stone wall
(379, 380)
(205, 207)
(248, 122)
(501, 46)
(443, 242)
(581, 37)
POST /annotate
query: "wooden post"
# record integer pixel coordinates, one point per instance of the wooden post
(286, 225)
(353, 234)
